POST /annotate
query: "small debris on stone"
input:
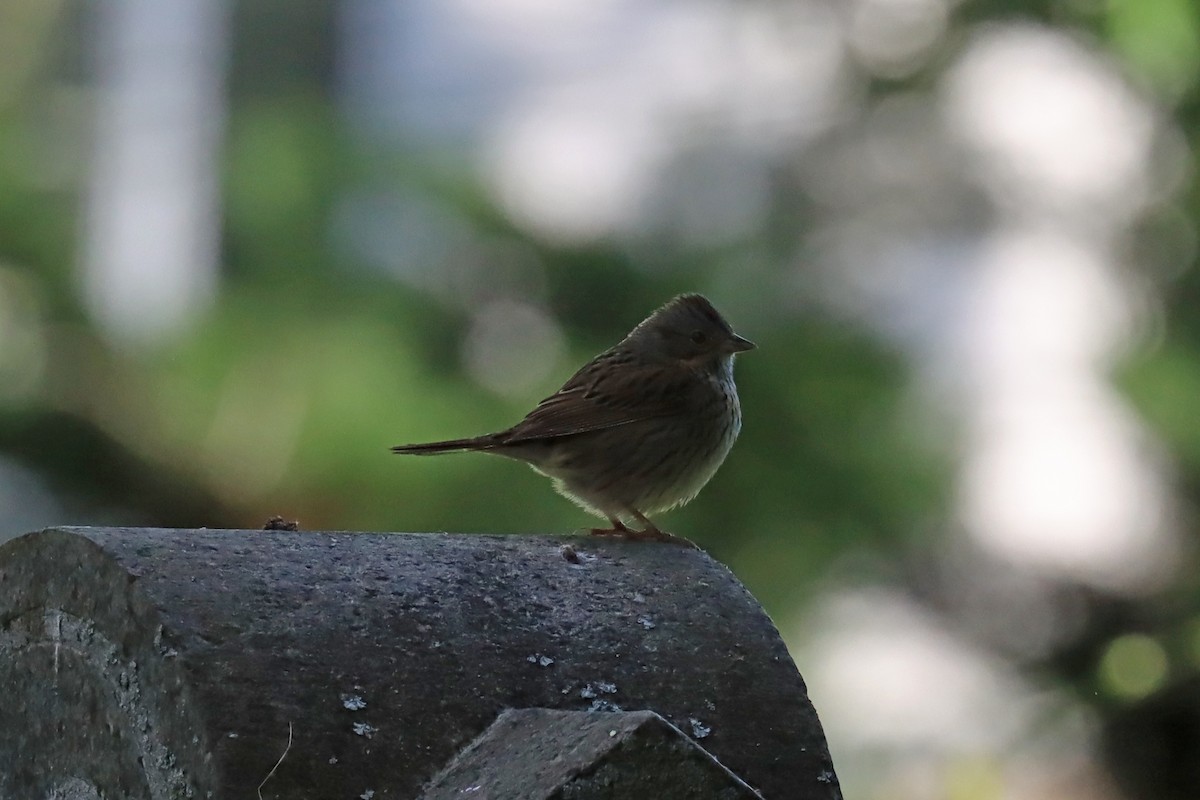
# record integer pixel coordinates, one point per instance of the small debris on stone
(278, 523)
(604, 705)
(568, 552)
(646, 621)
(699, 729)
(540, 660)
(593, 692)
(353, 702)
(364, 729)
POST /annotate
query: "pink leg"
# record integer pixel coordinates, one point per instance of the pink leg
(618, 529)
(652, 532)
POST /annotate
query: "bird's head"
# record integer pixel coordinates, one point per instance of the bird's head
(689, 329)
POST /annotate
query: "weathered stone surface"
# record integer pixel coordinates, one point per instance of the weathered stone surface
(537, 754)
(171, 663)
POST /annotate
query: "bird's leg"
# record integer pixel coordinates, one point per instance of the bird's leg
(618, 529)
(652, 532)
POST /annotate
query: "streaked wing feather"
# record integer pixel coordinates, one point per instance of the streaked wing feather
(604, 394)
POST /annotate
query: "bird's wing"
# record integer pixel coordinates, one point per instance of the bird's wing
(608, 392)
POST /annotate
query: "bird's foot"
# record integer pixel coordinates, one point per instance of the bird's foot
(618, 529)
(651, 533)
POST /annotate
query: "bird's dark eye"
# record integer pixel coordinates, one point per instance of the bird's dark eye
(698, 337)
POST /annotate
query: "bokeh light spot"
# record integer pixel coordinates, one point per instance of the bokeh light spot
(512, 347)
(1133, 666)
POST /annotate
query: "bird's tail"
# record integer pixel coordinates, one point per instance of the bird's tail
(448, 446)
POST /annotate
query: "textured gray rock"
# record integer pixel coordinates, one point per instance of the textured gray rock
(148, 663)
(537, 754)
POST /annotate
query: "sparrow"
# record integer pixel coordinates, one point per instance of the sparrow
(639, 429)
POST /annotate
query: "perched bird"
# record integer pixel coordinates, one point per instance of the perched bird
(641, 427)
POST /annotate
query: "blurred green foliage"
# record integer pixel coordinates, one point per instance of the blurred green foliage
(285, 396)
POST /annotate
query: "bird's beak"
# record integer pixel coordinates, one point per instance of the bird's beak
(737, 344)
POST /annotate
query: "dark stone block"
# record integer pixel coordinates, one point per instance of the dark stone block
(148, 663)
(538, 754)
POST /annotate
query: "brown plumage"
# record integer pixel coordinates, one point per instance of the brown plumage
(638, 429)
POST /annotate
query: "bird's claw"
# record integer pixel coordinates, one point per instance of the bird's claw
(648, 535)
